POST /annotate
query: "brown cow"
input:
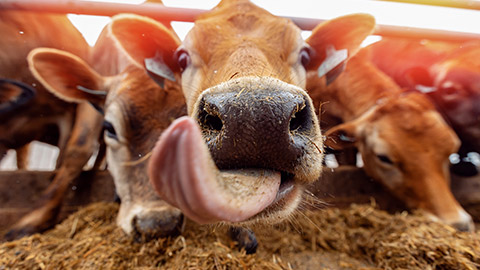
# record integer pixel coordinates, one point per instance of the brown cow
(252, 140)
(448, 73)
(404, 142)
(73, 128)
(136, 111)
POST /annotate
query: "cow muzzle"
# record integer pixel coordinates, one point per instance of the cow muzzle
(252, 144)
(149, 220)
(252, 123)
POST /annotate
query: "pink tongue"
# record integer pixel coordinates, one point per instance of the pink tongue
(184, 174)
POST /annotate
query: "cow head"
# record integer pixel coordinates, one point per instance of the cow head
(136, 111)
(251, 140)
(405, 144)
(456, 93)
(447, 72)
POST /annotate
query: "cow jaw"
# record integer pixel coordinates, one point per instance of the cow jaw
(184, 174)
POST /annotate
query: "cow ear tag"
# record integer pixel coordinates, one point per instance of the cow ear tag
(334, 64)
(156, 68)
(97, 93)
(345, 138)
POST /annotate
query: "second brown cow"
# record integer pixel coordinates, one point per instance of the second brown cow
(404, 142)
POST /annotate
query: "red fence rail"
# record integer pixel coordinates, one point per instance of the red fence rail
(157, 11)
(465, 4)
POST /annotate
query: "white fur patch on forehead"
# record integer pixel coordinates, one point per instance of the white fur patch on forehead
(375, 141)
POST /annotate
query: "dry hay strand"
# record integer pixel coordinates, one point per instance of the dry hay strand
(90, 239)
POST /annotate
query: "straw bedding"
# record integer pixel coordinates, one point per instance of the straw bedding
(359, 237)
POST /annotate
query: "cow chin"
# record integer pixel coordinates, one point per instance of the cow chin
(285, 204)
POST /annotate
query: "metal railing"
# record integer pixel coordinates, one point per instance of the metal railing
(160, 12)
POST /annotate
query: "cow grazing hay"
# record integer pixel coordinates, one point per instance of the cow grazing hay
(357, 237)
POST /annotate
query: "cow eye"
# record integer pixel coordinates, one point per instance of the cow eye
(183, 59)
(305, 56)
(384, 159)
(109, 130)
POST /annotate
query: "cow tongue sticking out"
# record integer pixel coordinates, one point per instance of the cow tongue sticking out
(183, 173)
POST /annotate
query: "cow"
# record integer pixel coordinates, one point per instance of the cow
(29, 112)
(136, 110)
(251, 141)
(448, 73)
(404, 142)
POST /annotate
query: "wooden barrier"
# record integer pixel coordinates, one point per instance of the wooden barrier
(20, 191)
(340, 187)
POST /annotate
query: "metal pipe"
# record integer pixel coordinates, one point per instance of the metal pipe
(465, 4)
(152, 10)
(164, 13)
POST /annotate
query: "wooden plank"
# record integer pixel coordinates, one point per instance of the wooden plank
(340, 187)
(20, 191)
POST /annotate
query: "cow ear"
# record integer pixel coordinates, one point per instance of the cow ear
(341, 136)
(67, 76)
(336, 40)
(148, 43)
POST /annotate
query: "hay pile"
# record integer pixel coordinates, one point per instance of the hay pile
(357, 237)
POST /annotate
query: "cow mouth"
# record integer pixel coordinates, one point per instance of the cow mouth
(287, 185)
(184, 174)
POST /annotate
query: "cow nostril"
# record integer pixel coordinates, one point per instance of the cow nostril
(300, 120)
(210, 120)
(213, 122)
(209, 116)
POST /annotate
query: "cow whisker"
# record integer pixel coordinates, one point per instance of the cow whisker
(309, 220)
(138, 161)
(311, 201)
(312, 142)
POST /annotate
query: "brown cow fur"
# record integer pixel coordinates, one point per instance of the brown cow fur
(74, 129)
